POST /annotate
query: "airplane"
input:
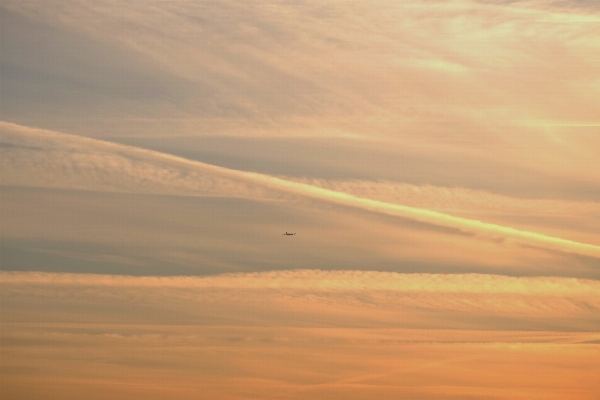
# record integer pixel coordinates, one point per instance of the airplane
(289, 234)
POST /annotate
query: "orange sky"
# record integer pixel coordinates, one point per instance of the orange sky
(438, 162)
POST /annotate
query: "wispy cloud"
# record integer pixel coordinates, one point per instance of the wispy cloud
(345, 298)
(319, 280)
(49, 159)
(362, 331)
(378, 71)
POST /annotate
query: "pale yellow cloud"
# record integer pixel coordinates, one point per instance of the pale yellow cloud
(554, 217)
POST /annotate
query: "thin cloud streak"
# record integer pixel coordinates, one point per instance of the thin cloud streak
(432, 217)
(308, 297)
(456, 199)
(319, 280)
(25, 164)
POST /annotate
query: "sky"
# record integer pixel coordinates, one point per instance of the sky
(437, 160)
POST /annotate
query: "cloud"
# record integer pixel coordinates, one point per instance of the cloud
(554, 217)
(227, 362)
(455, 199)
(307, 297)
(319, 280)
(68, 161)
(318, 332)
(461, 94)
(43, 158)
(381, 71)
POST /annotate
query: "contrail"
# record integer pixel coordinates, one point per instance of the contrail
(413, 213)
(426, 216)
(323, 194)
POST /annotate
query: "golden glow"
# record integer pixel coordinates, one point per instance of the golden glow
(438, 160)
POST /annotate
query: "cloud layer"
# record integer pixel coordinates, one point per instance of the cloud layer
(316, 333)
(464, 62)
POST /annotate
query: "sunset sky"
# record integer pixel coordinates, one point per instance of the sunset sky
(439, 162)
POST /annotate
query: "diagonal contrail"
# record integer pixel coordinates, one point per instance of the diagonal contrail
(426, 216)
(58, 140)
